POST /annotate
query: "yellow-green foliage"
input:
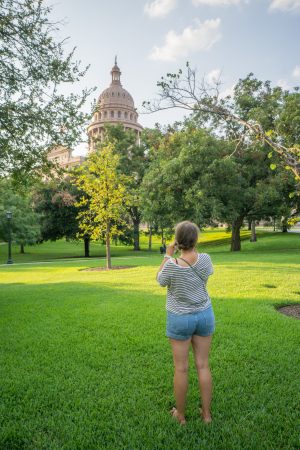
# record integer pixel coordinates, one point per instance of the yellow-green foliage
(105, 194)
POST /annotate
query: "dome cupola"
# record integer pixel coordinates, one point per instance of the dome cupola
(115, 74)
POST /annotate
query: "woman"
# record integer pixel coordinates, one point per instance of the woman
(190, 317)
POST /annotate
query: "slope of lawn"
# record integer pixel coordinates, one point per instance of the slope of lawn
(85, 363)
(75, 249)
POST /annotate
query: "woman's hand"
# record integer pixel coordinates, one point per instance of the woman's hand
(171, 249)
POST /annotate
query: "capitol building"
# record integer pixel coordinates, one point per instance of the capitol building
(114, 106)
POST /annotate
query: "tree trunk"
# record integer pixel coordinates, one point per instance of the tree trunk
(135, 215)
(235, 234)
(108, 257)
(150, 238)
(249, 225)
(22, 248)
(253, 232)
(274, 224)
(86, 241)
(136, 234)
(284, 225)
(162, 235)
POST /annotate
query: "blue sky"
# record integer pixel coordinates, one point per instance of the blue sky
(153, 37)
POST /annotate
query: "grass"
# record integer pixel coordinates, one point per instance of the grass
(85, 364)
(74, 249)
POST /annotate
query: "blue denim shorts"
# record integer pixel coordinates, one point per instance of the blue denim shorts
(183, 326)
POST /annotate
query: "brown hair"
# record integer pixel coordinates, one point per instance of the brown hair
(186, 235)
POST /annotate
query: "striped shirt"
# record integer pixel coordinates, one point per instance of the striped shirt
(187, 291)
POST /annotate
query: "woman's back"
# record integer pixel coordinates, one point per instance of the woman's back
(186, 284)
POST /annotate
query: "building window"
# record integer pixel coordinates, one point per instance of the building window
(119, 114)
(126, 115)
(130, 116)
(105, 114)
(118, 94)
(112, 94)
(100, 116)
(112, 114)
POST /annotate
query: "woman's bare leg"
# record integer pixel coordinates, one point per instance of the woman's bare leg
(181, 363)
(201, 346)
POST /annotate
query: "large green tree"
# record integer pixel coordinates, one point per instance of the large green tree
(55, 202)
(255, 112)
(170, 192)
(132, 162)
(35, 115)
(201, 177)
(25, 226)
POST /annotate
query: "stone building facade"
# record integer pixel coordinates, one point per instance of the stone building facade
(63, 157)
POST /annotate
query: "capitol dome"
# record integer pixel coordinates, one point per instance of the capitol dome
(116, 95)
(114, 106)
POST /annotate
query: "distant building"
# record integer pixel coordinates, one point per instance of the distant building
(115, 106)
(63, 157)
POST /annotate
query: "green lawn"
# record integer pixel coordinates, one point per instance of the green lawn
(72, 249)
(85, 363)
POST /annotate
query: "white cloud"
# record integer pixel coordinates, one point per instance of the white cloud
(216, 2)
(200, 37)
(286, 5)
(283, 84)
(227, 92)
(80, 149)
(296, 72)
(159, 8)
(213, 76)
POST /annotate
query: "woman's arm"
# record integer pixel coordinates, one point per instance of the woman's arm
(169, 252)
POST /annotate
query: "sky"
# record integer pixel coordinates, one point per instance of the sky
(219, 38)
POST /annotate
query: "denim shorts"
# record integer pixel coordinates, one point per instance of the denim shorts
(183, 326)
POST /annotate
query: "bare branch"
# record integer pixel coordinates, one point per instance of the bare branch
(184, 92)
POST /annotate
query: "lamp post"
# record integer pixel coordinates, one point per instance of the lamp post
(9, 217)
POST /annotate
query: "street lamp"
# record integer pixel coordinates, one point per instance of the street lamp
(9, 217)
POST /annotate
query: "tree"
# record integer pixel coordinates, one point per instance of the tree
(106, 196)
(247, 113)
(273, 199)
(25, 228)
(245, 187)
(200, 177)
(55, 202)
(133, 162)
(34, 115)
(170, 189)
(155, 212)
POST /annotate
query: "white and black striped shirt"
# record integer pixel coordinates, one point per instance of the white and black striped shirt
(187, 291)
